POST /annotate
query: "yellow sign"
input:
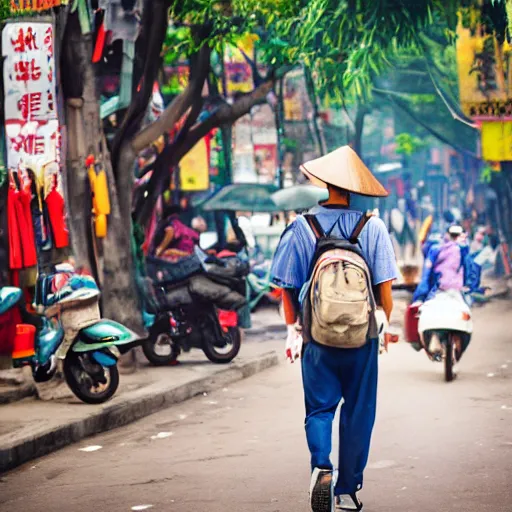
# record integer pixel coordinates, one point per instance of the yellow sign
(238, 71)
(496, 141)
(292, 97)
(194, 169)
(485, 75)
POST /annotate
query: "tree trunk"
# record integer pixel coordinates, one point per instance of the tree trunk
(358, 134)
(119, 292)
(78, 197)
(279, 122)
(317, 122)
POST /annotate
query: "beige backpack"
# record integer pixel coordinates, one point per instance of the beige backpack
(339, 307)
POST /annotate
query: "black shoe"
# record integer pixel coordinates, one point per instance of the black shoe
(348, 502)
(321, 490)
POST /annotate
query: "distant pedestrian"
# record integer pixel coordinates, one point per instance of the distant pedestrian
(333, 285)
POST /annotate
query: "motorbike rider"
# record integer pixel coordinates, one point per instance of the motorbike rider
(448, 267)
(174, 239)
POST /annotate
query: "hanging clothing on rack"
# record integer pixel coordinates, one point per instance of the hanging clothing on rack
(26, 224)
(22, 247)
(15, 251)
(56, 213)
(4, 236)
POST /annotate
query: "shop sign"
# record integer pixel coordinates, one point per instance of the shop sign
(485, 75)
(497, 141)
(239, 77)
(35, 5)
(30, 109)
(194, 168)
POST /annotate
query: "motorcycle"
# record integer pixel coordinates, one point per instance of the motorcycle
(187, 304)
(72, 331)
(442, 326)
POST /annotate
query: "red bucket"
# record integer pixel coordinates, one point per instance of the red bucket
(24, 345)
(411, 324)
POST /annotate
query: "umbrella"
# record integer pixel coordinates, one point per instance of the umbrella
(250, 197)
(299, 197)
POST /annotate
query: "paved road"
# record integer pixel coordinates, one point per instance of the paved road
(438, 447)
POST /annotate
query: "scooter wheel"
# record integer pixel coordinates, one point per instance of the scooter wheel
(233, 339)
(85, 381)
(161, 350)
(449, 359)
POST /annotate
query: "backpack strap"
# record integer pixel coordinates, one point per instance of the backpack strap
(361, 223)
(315, 226)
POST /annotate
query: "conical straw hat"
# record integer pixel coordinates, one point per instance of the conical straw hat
(344, 169)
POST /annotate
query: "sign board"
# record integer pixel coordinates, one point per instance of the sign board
(194, 168)
(35, 5)
(238, 71)
(497, 141)
(485, 75)
(31, 123)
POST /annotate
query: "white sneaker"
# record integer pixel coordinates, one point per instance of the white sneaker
(348, 502)
(321, 490)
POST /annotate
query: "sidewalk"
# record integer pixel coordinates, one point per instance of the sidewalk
(31, 428)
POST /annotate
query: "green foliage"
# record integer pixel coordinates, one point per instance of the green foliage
(408, 144)
(486, 174)
(347, 44)
(5, 9)
(289, 144)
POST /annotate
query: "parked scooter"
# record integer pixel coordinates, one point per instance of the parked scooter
(73, 331)
(201, 326)
(185, 312)
(442, 326)
(48, 336)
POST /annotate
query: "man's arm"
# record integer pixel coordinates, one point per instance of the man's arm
(289, 307)
(168, 238)
(385, 294)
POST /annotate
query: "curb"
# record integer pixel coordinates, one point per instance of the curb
(12, 394)
(269, 329)
(132, 408)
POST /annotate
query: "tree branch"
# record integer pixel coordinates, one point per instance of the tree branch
(227, 113)
(429, 129)
(173, 153)
(148, 48)
(178, 106)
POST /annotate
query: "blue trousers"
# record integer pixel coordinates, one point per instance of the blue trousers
(330, 375)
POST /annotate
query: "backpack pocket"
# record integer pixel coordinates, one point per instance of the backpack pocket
(340, 307)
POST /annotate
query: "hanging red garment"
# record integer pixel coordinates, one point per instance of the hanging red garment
(26, 225)
(15, 252)
(56, 212)
(100, 44)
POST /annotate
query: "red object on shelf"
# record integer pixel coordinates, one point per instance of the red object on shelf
(411, 324)
(24, 343)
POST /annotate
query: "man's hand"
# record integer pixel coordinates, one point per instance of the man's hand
(293, 344)
(385, 336)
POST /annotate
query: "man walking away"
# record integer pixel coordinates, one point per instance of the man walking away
(336, 266)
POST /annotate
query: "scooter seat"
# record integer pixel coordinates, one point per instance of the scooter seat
(106, 331)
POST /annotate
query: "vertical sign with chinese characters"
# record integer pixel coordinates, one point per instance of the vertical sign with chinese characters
(31, 123)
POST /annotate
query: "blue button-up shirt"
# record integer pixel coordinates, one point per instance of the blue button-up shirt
(292, 261)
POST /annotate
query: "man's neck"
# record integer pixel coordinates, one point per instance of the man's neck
(337, 198)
